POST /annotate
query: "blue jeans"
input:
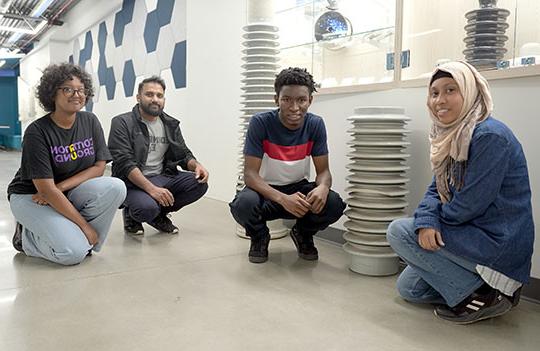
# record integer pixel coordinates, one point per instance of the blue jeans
(431, 276)
(50, 235)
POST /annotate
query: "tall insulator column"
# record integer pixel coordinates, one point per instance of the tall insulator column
(377, 187)
(259, 71)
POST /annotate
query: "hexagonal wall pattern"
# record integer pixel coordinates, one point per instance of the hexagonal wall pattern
(164, 11)
(120, 58)
(86, 52)
(178, 65)
(151, 32)
(128, 78)
(165, 47)
(121, 19)
(178, 21)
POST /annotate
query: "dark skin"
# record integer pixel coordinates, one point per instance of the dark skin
(52, 194)
(293, 102)
(152, 97)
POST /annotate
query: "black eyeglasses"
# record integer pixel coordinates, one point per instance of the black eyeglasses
(69, 92)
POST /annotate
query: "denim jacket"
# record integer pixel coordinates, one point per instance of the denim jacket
(489, 221)
(129, 142)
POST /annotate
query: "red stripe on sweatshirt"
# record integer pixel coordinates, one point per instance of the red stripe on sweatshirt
(287, 153)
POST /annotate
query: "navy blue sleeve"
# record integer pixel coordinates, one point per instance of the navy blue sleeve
(254, 138)
(320, 144)
(489, 157)
(427, 212)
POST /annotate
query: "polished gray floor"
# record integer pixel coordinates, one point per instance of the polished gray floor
(197, 291)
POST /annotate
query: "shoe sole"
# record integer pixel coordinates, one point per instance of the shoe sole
(308, 257)
(138, 232)
(485, 314)
(256, 259)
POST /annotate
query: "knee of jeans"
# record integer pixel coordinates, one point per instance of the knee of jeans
(117, 190)
(396, 233)
(244, 203)
(334, 207)
(144, 212)
(405, 291)
(202, 188)
(70, 255)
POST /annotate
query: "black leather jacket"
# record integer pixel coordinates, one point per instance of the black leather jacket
(129, 143)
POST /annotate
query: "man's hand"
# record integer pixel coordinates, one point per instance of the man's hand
(430, 239)
(317, 198)
(39, 199)
(201, 174)
(296, 204)
(163, 196)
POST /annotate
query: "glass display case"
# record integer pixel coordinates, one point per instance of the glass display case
(352, 43)
(342, 43)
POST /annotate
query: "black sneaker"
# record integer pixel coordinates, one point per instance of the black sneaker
(164, 224)
(258, 251)
(17, 237)
(131, 226)
(304, 245)
(514, 299)
(475, 308)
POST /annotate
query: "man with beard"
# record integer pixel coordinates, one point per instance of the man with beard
(147, 147)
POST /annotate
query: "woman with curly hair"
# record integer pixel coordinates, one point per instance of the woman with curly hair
(62, 204)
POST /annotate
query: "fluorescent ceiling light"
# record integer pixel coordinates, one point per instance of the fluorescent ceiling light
(2, 63)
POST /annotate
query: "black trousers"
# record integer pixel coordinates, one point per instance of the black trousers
(251, 210)
(183, 186)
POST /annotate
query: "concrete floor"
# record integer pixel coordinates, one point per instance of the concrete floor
(197, 291)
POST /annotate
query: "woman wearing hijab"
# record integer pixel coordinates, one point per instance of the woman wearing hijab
(469, 245)
(62, 204)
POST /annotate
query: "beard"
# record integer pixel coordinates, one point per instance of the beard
(151, 109)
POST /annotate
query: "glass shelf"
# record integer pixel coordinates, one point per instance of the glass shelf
(431, 32)
(356, 57)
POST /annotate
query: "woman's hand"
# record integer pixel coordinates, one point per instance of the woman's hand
(430, 239)
(39, 199)
(91, 235)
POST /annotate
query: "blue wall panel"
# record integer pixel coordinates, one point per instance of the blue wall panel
(10, 131)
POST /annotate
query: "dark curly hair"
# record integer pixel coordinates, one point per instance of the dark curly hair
(153, 79)
(54, 76)
(294, 76)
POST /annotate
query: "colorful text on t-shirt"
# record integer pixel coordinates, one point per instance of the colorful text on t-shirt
(74, 151)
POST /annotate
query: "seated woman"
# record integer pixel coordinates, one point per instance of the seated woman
(62, 204)
(469, 245)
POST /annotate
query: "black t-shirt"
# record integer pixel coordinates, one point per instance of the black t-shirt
(49, 151)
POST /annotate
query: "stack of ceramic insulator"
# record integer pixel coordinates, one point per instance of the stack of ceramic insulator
(259, 72)
(377, 187)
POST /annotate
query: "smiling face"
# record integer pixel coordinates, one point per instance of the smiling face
(445, 100)
(70, 96)
(151, 100)
(293, 102)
